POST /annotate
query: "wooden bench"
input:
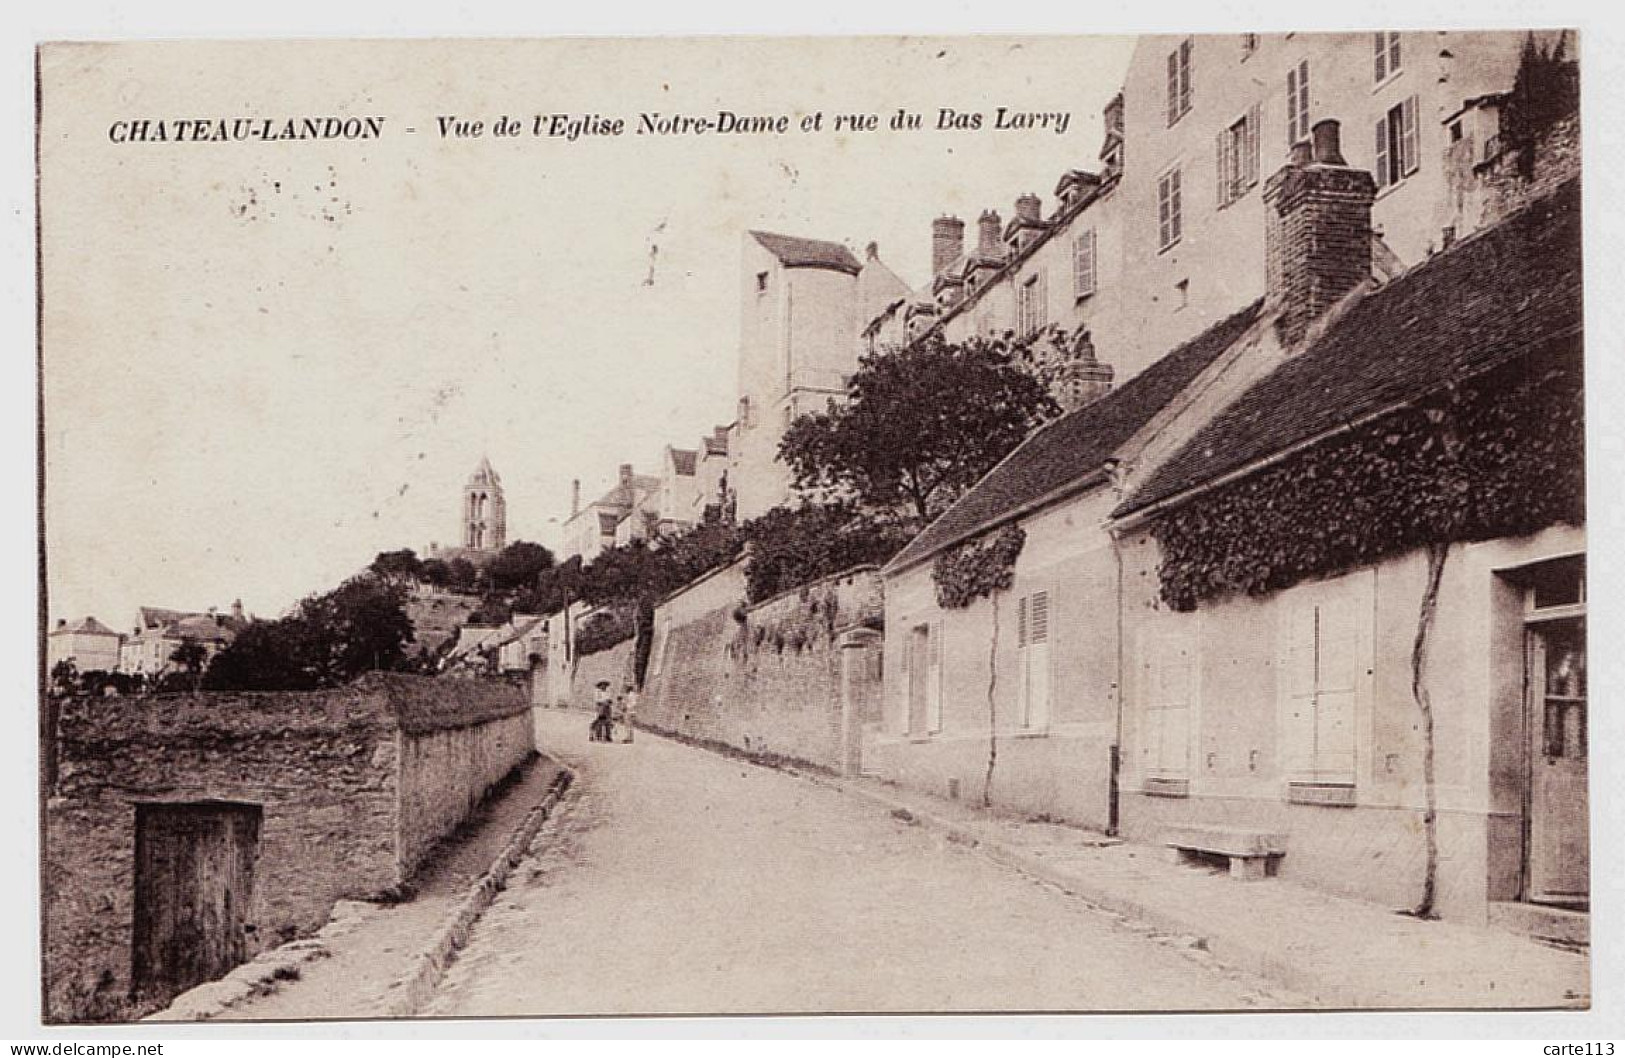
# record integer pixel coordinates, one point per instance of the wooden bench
(1249, 851)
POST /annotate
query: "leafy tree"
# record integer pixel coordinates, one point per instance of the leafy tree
(792, 546)
(64, 676)
(921, 425)
(518, 565)
(190, 656)
(327, 641)
(402, 565)
(461, 575)
(435, 572)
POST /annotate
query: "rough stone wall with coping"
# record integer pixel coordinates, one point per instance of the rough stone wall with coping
(763, 679)
(614, 665)
(326, 769)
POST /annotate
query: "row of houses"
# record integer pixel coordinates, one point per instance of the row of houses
(149, 649)
(1310, 576)
(1302, 565)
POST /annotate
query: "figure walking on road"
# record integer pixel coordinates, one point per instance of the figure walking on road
(605, 704)
(629, 710)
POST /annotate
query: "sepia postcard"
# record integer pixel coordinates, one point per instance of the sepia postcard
(813, 525)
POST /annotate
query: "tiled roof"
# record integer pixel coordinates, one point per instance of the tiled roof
(87, 626)
(1508, 290)
(683, 459)
(1075, 445)
(794, 252)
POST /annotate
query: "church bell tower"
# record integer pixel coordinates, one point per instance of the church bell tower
(485, 512)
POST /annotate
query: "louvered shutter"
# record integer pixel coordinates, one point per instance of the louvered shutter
(1173, 87)
(1379, 63)
(1036, 712)
(1409, 157)
(1255, 121)
(1382, 152)
(1221, 155)
(934, 680)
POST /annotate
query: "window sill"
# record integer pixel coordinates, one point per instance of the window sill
(1392, 77)
(1170, 246)
(1326, 794)
(1028, 732)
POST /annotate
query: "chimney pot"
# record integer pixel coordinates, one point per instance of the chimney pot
(1328, 142)
(947, 243)
(1302, 153)
(1029, 207)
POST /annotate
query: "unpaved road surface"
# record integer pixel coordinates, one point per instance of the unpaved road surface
(676, 881)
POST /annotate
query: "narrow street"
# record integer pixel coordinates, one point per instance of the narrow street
(677, 881)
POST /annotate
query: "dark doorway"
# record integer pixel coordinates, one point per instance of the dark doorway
(194, 890)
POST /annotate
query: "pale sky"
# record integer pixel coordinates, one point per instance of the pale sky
(266, 362)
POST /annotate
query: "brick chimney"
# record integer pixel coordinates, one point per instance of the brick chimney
(1083, 379)
(1030, 208)
(947, 243)
(989, 233)
(1317, 241)
(626, 473)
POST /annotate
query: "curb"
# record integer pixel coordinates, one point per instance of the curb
(406, 995)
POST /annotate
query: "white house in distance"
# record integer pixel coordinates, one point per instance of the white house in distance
(89, 644)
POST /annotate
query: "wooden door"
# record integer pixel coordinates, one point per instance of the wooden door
(1559, 837)
(194, 888)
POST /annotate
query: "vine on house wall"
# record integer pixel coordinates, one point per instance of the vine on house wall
(977, 569)
(1500, 455)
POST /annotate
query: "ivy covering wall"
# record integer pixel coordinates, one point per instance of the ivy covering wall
(1498, 455)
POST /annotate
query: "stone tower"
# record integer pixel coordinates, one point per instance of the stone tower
(485, 512)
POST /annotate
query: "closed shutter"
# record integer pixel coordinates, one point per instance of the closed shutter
(1221, 176)
(1255, 121)
(1171, 682)
(1173, 87)
(1337, 656)
(1297, 734)
(1409, 156)
(1036, 714)
(1382, 152)
(1083, 265)
(934, 680)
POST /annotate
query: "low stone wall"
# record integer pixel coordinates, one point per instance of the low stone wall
(764, 679)
(458, 738)
(352, 784)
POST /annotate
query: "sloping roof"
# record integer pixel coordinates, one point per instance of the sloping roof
(87, 626)
(795, 252)
(683, 460)
(1075, 445)
(1498, 294)
(153, 617)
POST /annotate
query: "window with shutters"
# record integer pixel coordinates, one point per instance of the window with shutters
(1169, 219)
(1083, 264)
(1297, 103)
(1397, 152)
(1168, 676)
(1179, 82)
(1032, 642)
(933, 679)
(1237, 154)
(1324, 668)
(1385, 62)
(1031, 311)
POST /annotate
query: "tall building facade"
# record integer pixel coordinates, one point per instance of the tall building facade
(801, 306)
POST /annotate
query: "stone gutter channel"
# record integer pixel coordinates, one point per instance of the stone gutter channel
(407, 993)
